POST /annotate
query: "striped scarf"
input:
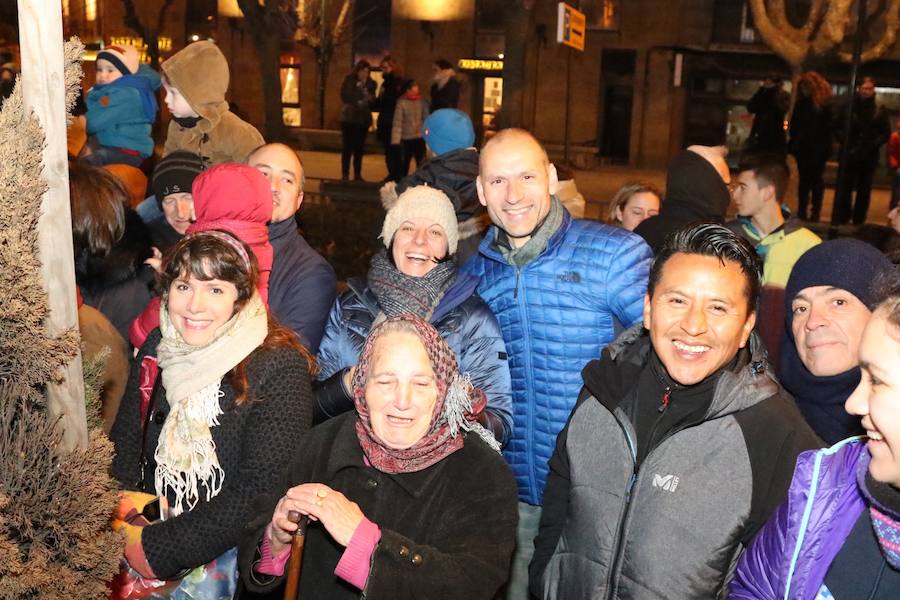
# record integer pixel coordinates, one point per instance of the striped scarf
(400, 294)
(884, 511)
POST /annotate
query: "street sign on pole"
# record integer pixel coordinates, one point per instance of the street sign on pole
(570, 26)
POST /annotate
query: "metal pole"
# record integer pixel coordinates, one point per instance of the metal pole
(842, 201)
(323, 63)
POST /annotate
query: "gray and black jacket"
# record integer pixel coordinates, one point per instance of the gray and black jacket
(673, 525)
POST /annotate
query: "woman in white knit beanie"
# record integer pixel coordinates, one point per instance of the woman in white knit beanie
(417, 274)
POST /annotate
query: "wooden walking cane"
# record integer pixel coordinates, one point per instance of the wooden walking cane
(293, 575)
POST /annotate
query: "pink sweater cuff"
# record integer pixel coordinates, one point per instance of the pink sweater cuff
(268, 564)
(355, 563)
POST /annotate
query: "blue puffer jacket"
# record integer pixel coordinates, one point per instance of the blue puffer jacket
(461, 317)
(556, 314)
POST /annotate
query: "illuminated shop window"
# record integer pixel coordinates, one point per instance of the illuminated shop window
(290, 90)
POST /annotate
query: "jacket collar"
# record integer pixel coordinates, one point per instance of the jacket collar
(749, 382)
(281, 229)
(348, 454)
(361, 290)
(459, 291)
(790, 225)
(488, 250)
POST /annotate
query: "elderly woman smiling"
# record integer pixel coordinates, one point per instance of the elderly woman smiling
(408, 496)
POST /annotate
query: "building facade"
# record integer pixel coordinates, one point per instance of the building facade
(653, 77)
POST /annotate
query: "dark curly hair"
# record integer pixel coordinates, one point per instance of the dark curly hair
(207, 257)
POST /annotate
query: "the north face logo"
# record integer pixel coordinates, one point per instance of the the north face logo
(569, 277)
(668, 483)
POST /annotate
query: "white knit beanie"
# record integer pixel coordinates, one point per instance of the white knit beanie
(123, 58)
(422, 201)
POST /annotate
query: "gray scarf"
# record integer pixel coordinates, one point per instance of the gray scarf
(399, 294)
(519, 257)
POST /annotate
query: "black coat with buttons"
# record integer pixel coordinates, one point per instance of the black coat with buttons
(447, 531)
(254, 444)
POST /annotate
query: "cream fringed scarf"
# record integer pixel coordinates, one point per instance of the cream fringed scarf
(186, 454)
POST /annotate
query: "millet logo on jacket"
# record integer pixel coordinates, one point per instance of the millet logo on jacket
(569, 277)
(668, 483)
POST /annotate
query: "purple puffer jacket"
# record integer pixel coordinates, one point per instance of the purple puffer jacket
(790, 556)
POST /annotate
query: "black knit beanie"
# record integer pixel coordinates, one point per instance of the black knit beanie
(175, 173)
(844, 263)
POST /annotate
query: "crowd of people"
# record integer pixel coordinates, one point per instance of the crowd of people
(512, 402)
(817, 124)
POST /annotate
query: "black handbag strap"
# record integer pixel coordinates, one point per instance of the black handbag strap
(143, 462)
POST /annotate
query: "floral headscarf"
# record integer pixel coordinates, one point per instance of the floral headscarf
(458, 404)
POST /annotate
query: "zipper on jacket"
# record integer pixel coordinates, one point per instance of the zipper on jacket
(533, 492)
(619, 539)
(620, 527)
(665, 400)
(516, 289)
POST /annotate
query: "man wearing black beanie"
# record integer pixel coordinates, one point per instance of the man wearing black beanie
(828, 302)
(171, 184)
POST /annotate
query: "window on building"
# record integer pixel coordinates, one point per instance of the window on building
(290, 90)
(493, 99)
(733, 22)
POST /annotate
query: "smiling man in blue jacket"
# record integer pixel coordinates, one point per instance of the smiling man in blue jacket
(560, 289)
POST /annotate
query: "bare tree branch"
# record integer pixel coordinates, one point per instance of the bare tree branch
(132, 21)
(813, 20)
(778, 14)
(161, 17)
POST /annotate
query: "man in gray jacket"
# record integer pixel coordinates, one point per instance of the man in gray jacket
(681, 444)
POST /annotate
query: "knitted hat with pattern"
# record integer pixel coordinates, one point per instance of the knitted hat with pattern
(124, 58)
(175, 174)
(422, 201)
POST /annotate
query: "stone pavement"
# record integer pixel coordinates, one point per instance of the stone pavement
(597, 186)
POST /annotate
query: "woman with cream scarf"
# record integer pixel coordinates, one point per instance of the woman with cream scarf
(214, 390)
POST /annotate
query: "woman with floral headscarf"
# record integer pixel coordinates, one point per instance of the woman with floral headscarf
(408, 496)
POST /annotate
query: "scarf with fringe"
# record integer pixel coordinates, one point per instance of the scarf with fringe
(192, 376)
(457, 408)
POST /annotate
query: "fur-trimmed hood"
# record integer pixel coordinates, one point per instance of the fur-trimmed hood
(123, 262)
